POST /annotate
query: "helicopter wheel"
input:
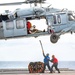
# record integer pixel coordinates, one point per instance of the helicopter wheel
(54, 38)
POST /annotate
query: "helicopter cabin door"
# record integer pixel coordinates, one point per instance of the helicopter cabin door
(62, 18)
(8, 28)
(20, 27)
(49, 20)
(62, 21)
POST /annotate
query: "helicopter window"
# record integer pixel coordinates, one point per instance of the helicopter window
(9, 25)
(20, 24)
(4, 17)
(0, 18)
(58, 19)
(54, 19)
(1, 25)
(62, 19)
(50, 19)
(71, 17)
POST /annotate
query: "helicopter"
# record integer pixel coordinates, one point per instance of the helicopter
(14, 24)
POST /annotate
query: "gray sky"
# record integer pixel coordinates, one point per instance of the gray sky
(29, 49)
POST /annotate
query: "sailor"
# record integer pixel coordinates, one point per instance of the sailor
(29, 25)
(46, 61)
(54, 60)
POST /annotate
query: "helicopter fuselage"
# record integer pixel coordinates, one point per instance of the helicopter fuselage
(58, 23)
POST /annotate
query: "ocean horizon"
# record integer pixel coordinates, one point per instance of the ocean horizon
(24, 64)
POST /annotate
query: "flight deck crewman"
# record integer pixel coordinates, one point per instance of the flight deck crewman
(46, 61)
(54, 60)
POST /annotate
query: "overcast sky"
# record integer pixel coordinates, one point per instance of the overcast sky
(29, 49)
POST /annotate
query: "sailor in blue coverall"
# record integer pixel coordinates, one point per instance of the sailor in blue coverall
(46, 61)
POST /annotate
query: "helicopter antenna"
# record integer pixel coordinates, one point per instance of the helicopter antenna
(49, 5)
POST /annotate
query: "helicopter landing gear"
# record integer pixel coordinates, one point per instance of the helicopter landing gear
(54, 38)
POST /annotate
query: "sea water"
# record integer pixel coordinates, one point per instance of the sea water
(24, 64)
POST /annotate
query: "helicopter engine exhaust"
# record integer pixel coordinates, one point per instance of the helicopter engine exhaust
(54, 38)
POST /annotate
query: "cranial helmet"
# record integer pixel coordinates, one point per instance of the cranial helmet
(47, 54)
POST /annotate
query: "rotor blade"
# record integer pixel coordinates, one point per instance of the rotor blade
(35, 1)
(26, 1)
(14, 3)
